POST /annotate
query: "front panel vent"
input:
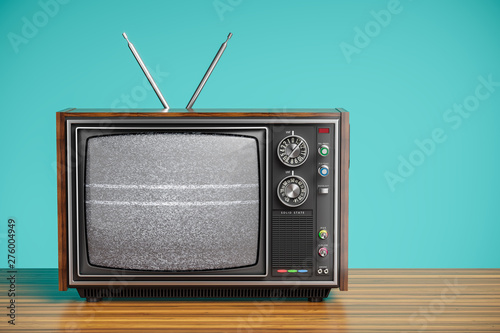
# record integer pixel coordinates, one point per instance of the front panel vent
(292, 240)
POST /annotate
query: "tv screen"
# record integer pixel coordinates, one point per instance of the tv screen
(172, 201)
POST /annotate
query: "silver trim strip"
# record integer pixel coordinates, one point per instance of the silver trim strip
(69, 178)
(336, 199)
(170, 120)
(119, 282)
(70, 241)
(205, 120)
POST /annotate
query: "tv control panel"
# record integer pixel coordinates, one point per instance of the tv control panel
(303, 223)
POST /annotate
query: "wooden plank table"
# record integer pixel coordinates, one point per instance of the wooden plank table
(378, 300)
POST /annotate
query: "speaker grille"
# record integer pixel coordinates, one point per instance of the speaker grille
(204, 292)
(292, 240)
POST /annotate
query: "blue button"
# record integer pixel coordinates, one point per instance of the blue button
(302, 271)
(323, 170)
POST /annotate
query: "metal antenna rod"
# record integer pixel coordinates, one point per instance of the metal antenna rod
(146, 72)
(207, 74)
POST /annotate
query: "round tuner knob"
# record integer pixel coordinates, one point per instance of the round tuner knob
(293, 191)
(323, 252)
(293, 151)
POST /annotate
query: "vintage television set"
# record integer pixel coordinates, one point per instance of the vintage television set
(203, 203)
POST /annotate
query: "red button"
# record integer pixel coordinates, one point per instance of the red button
(282, 270)
(323, 130)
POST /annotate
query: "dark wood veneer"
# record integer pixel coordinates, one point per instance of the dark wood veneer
(201, 115)
(344, 198)
(62, 207)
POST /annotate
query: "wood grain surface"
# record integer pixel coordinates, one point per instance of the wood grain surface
(280, 115)
(345, 138)
(388, 300)
(62, 203)
(216, 113)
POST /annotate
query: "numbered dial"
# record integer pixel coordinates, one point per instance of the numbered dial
(293, 151)
(293, 191)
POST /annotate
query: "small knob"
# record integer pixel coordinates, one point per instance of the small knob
(323, 234)
(323, 252)
(323, 171)
(323, 150)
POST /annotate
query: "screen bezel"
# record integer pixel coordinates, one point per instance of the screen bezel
(84, 271)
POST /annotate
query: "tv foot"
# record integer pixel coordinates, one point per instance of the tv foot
(93, 299)
(315, 299)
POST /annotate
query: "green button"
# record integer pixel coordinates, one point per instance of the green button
(323, 150)
(292, 271)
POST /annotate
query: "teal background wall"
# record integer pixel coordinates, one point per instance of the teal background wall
(403, 78)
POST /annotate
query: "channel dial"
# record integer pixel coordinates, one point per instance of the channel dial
(293, 151)
(293, 191)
